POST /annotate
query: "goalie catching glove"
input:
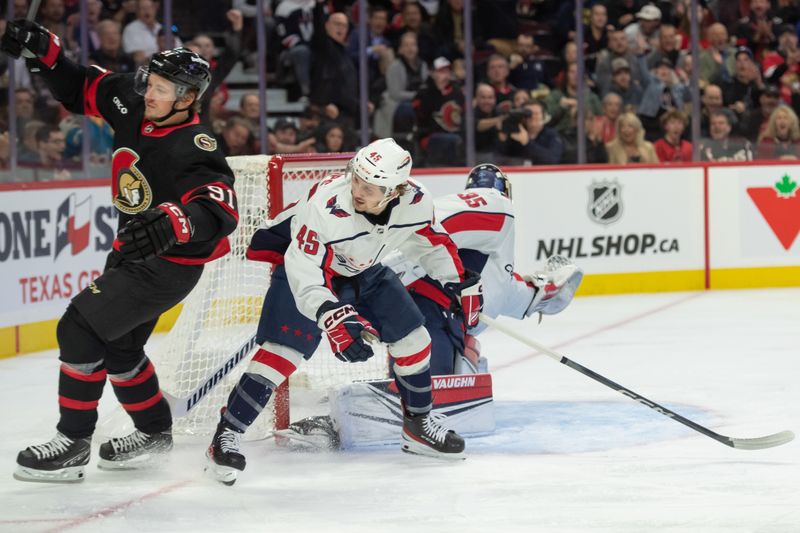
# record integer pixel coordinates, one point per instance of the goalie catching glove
(555, 286)
(469, 294)
(154, 231)
(350, 335)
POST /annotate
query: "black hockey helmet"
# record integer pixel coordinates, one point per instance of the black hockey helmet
(488, 176)
(186, 69)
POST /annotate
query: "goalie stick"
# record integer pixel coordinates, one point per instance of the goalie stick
(181, 406)
(758, 443)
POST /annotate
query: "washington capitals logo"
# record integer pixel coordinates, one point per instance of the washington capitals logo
(418, 194)
(333, 205)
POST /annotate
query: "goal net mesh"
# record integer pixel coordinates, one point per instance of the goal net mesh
(222, 312)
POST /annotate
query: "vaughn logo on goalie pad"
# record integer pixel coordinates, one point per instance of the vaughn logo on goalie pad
(369, 413)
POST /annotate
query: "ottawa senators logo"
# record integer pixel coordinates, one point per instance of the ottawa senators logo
(448, 117)
(205, 142)
(130, 189)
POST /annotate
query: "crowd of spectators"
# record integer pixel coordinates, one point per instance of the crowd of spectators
(636, 86)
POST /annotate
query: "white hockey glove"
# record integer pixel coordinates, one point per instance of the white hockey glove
(555, 286)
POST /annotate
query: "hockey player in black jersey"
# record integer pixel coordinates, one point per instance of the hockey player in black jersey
(173, 191)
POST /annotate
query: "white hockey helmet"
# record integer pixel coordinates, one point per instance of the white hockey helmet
(384, 163)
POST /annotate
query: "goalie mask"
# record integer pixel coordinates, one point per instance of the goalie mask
(186, 69)
(488, 176)
(384, 163)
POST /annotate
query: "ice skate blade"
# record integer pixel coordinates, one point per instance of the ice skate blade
(224, 474)
(71, 474)
(415, 448)
(143, 461)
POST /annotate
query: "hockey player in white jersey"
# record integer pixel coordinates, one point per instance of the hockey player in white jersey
(333, 280)
(480, 221)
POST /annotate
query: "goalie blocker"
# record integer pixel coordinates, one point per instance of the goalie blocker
(369, 413)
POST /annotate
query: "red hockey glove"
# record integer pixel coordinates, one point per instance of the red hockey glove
(28, 39)
(348, 333)
(154, 231)
(470, 295)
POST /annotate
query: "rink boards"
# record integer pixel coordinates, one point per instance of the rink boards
(642, 229)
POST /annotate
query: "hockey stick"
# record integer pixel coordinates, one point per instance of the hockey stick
(33, 9)
(181, 406)
(758, 443)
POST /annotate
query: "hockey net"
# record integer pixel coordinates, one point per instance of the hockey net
(222, 312)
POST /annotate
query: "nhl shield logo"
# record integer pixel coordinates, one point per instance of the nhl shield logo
(605, 202)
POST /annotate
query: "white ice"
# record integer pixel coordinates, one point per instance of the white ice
(569, 454)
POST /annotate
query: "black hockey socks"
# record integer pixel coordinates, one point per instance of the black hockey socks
(79, 389)
(415, 391)
(138, 392)
(246, 401)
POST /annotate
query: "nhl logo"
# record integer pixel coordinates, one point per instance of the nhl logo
(605, 202)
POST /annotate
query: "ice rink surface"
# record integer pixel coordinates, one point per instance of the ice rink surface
(569, 455)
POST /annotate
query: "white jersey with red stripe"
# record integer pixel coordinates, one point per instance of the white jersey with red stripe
(481, 224)
(330, 239)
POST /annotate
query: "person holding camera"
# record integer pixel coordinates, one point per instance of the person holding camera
(488, 121)
(525, 137)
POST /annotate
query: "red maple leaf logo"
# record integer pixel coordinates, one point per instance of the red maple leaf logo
(780, 207)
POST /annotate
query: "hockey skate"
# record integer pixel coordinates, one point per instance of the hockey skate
(61, 460)
(312, 433)
(226, 461)
(134, 450)
(425, 435)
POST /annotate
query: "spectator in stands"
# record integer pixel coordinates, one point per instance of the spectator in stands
(757, 30)
(568, 57)
(24, 107)
(439, 106)
(379, 49)
(497, 72)
(663, 92)
(283, 139)
(595, 35)
(781, 139)
(414, 21)
(5, 154)
(595, 146)
(73, 35)
(562, 103)
(221, 65)
(309, 123)
(121, 11)
(721, 146)
(27, 150)
(711, 101)
(643, 35)
(332, 139)
(623, 85)
(109, 53)
(249, 10)
(667, 46)
(629, 145)
(140, 37)
(671, 147)
(527, 70)
(236, 138)
(521, 98)
(605, 126)
(488, 122)
(617, 49)
(250, 111)
(334, 79)
(50, 145)
(448, 28)
(498, 25)
(782, 66)
(51, 16)
(403, 80)
(742, 92)
(294, 26)
(682, 21)
(623, 12)
(718, 61)
(755, 121)
(532, 143)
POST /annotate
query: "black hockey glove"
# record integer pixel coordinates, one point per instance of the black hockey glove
(469, 294)
(28, 39)
(154, 231)
(348, 333)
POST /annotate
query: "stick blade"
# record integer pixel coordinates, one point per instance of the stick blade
(760, 443)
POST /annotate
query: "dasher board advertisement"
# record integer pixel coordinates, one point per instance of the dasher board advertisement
(53, 244)
(611, 221)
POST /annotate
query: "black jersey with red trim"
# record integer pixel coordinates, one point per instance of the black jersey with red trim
(151, 165)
